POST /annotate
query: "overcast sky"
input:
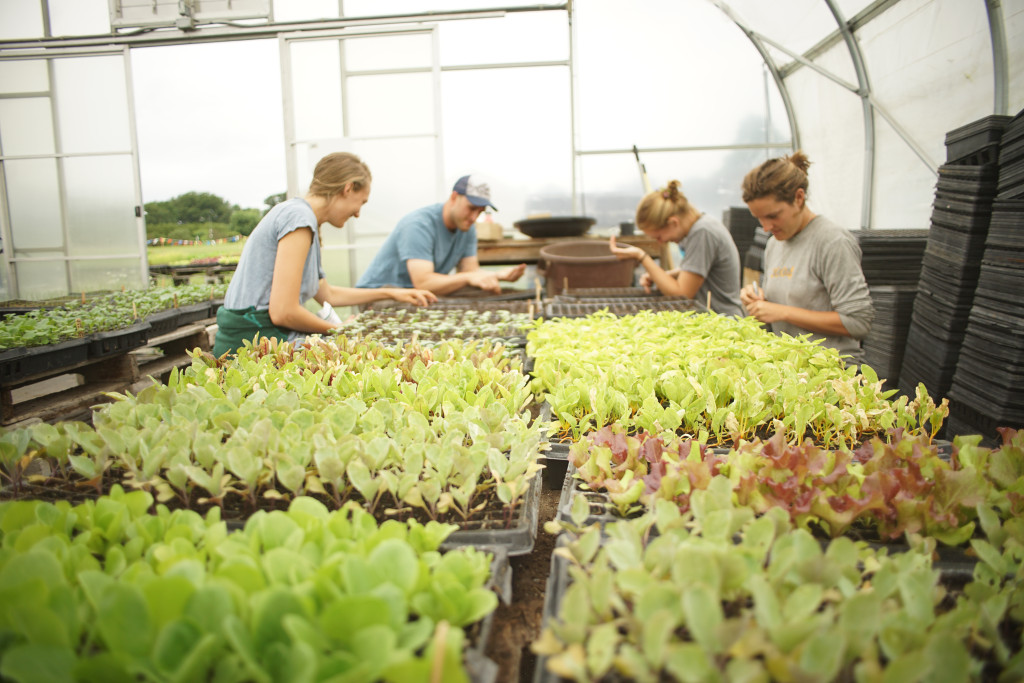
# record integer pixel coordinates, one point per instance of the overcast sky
(194, 99)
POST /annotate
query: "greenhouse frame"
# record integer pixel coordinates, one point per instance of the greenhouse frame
(558, 103)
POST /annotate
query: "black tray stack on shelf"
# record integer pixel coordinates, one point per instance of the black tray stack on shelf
(742, 226)
(891, 261)
(961, 213)
(988, 386)
(754, 258)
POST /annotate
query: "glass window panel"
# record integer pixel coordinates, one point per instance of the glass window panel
(205, 125)
(41, 279)
(316, 77)
(79, 17)
(612, 184)
(520, 37)
(650, 101)
(394, 104)
(388, 52)
(335, 261)
(26, 126)
(303, 10)
(24, 76)
(33, 198)
(404, 178)
(21, 19)
(100, 197)
(523, 144)
(108, 275)
(92, 104)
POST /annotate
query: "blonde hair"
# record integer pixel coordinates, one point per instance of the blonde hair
(658, 206)
(335, 171)
(779, 178)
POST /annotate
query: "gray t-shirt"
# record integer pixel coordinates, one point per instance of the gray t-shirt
(419, 235)
(709, 251)
(819, 269)
(250, 285)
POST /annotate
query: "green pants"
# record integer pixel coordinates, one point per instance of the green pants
(236, 325)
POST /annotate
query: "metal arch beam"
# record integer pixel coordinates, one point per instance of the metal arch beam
(864, 92)
(1000, 69)
(758, 44)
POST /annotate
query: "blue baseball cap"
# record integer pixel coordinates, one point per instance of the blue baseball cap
(477, 191)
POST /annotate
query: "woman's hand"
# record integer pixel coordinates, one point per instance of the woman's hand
(417, 297)
(750, 294)
(627, 252)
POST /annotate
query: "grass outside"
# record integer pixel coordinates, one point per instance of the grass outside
(184, 254)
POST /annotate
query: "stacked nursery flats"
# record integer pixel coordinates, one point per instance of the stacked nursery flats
(885, 344)
(891, 261)
(742, 226)
(892, 257)
(754, 258)
(988, 386)
(1011, 160)
(961, 213)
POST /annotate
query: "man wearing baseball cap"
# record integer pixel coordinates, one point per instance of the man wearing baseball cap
(429, 243)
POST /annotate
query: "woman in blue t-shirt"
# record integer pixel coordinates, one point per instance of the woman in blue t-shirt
(280, 267)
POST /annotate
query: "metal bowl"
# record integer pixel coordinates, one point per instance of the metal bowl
(555, 226)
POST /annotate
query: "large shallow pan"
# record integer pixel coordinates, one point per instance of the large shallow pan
(555, 226)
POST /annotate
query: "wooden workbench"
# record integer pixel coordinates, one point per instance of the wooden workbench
(513, 251)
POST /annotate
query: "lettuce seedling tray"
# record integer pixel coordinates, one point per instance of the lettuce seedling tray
(517, 538)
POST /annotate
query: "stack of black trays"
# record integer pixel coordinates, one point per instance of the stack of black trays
(988, 387)
(754, 258)
(892, 257)
(742, 226)
(885, 344)
(951, 265)
(891, 261)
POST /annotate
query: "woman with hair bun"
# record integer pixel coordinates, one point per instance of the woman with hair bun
(280, 267)
(711, 262)
(812, 281)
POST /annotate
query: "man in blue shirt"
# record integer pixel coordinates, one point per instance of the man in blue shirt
(429, 243)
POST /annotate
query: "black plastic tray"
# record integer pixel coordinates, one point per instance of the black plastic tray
(114, 342)
(18, 364)
(518, 539)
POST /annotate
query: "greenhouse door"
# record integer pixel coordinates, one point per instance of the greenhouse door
(69, 176)
(376, 94)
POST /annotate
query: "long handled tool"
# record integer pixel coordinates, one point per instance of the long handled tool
(643, 171)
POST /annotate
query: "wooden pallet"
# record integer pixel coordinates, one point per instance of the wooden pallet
(70, 392)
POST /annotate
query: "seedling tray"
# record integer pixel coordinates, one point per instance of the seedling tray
(518, 539)
(18, 364)
(193, 313)
(114, 342)
(967, 139)
(163, 322)
(581, 310)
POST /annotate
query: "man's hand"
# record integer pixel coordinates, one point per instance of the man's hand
(417, 297)
(512, 274)
(485, 280)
